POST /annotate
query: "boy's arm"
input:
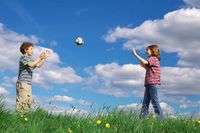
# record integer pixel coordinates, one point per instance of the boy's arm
(40, 61)
(44, 55)
(34, 63)
(142, 61)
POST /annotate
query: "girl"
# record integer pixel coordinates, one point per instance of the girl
(152, 80)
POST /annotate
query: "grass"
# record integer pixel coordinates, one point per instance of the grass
(115, 121)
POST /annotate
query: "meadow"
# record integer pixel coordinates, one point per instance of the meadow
(114, 121)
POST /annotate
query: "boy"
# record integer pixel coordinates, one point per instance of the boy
(24, 82)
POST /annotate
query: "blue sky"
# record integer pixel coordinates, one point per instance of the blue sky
(103, 70)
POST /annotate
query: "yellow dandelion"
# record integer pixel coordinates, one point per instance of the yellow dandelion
(26, 119)
(107, 125)
(98, 122)
(69, 130)
(198, 121)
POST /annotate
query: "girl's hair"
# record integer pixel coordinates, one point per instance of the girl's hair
(154, 51)
(24, 46)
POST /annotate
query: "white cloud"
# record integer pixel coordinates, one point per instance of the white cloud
(114, 92)
(3, 91)
(167, 109)
(188, 103)
(55, 109)
(120, 75)
(66, 111)
(10, 102)
(128, 80)
(192, 3)
(51, 72)
(133, 106)
(62, 75)
(9, 43)
(118, 80)
(180, 81)
(178, 31)
(8, 81)
(71, 100)
(67, 99)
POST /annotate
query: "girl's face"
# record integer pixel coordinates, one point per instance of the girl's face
(29, 51)
(148, 52)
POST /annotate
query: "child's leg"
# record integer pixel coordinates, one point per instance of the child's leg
(154, 100)
(145, 105)
(24, 97)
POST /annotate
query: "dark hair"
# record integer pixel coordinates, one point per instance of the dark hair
(154, 51)
(24, 46)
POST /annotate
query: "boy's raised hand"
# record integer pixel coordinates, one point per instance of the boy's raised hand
(44, 54)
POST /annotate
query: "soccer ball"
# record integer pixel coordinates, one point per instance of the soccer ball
(79, 41)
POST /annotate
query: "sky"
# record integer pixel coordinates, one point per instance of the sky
(102, 72)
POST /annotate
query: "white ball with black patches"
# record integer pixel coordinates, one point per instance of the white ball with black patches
(79, 41)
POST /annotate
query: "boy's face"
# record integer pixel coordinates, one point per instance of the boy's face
(29, 51)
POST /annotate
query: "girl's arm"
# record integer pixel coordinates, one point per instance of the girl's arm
(144, 66)
(142, 61)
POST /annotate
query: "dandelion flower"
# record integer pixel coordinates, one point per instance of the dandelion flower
(107, 125)
(69, 130)
(198, 121)
(26, 119)
(98, 122)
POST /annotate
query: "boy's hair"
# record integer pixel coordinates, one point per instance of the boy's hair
(24, 46)
(154, 51)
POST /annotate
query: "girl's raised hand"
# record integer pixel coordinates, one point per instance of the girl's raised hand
(134, 51)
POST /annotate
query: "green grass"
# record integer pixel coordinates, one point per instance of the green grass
(40, 121)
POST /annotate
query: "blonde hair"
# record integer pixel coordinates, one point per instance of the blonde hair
(154, 51)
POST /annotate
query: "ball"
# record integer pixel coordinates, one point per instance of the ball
(79, 41)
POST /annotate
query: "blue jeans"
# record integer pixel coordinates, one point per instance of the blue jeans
(150, 94)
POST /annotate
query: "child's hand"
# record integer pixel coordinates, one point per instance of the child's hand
(134, 51)
(41, 55)
(46, 54)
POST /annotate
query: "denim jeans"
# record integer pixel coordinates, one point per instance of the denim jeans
(150, 94)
